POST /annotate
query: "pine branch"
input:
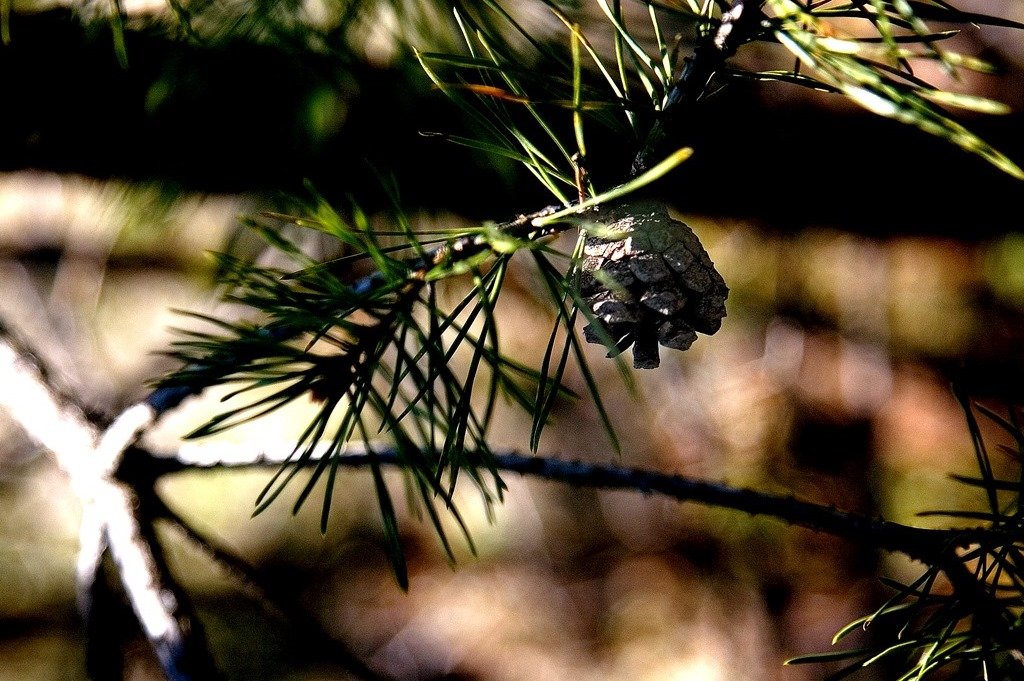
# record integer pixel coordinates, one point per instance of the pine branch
(684, 301)
(918, 543)
(448, 255)
(739, 23)
(938, 549)
(161, 605)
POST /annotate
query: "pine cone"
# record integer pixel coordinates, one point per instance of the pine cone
(650, 282)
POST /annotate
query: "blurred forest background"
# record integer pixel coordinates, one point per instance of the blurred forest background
(848, 318)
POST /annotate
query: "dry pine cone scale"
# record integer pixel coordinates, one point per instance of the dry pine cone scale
(649, 283)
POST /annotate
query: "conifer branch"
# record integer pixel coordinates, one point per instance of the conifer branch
(448, 255)
(939, 550)
(945, 550)
(918, 543)
(447, 435)
(738, 25)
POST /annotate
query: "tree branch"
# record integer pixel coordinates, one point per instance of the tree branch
(737, 26)
(168, 397)
(933, 547)
(114, 482)
(90, 455)
(918, 543)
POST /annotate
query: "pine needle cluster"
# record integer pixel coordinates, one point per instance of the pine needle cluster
(377, 353)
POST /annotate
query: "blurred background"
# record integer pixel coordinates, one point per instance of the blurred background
(854, 303)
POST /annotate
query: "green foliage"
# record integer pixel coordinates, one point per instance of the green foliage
(380, 355)
(377, 357)
(964, 611)
(874, 67)
(537, 114)
(515, 95)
